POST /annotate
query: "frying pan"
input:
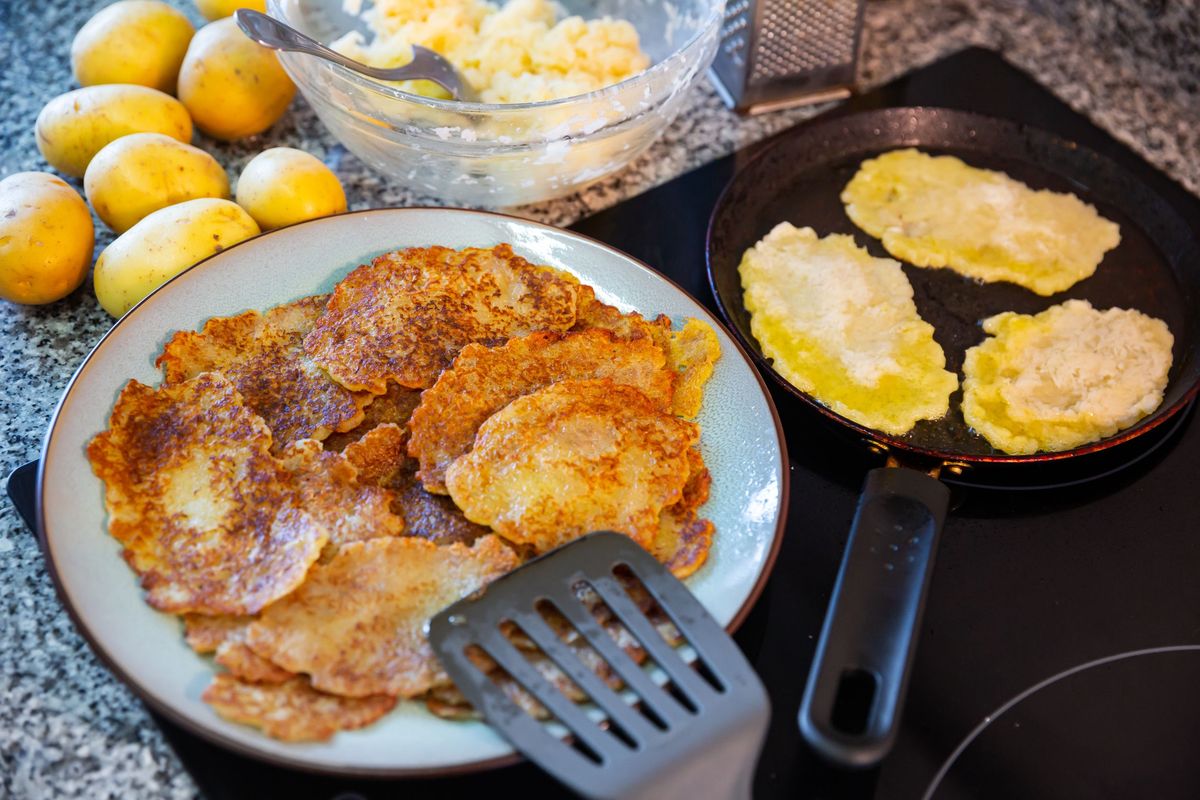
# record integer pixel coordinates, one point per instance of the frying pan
(852, 702)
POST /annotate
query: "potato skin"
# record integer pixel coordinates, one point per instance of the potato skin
(282, 185)
(216, 9)
(73, 127)
(232, 87)
(143, 172)
(164, 244)
(46, 238)
(132, 41)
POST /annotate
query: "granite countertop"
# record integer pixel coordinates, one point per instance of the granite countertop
(67, 727)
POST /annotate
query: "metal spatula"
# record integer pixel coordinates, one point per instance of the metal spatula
(690, 726)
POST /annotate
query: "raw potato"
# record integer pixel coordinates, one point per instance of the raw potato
(73, 127)
(232, 87)
(141, 173)
(216, 9)
(132, 41)
(283, 185)
(46, 238)
(164, 244)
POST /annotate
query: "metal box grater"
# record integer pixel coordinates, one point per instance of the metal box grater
(779, 53)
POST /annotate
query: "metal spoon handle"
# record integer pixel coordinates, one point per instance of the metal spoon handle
(426, 64)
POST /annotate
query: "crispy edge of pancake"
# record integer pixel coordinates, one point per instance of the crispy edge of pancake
(158, 445)
(292, 711)
(684, 540)
(382, 459)
(405, 316)
(482, 380)
(330, 490)
(395, 406)
(560, 430)
(356, 626)
(225, 637)
(263, 355)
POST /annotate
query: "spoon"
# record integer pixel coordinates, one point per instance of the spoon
(425, 65)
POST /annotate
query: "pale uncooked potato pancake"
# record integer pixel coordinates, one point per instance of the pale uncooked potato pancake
(936, 211)
(1065, 377)
(841, 325)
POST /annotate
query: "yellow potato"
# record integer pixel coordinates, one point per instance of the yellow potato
(164, 244)
(216, 9)
(283, 185)
(143, 172)
(232, 87)
(46, 238)
(132, 41)
(73, 127)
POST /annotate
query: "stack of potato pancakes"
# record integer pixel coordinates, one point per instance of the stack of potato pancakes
(309, 485)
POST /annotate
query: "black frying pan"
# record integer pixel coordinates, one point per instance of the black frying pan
(855, 690)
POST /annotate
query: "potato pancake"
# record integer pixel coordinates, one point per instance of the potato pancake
(356, 626)
(382, 459)
(208, 518)
(574, 457)
(691, 352)
(483, 380)
(225, 636)
(405, 316)
(683, 539)
(936, 211)
(393, 407)
(293, 711)
(1065, 377)
(263, 355)
(841, 325)
(330, 491)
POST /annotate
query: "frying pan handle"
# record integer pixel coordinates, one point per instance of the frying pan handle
(851, 707)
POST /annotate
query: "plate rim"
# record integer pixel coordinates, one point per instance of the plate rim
(195, 728)
(869, 437)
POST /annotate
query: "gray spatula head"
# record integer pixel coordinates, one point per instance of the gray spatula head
(688, 723)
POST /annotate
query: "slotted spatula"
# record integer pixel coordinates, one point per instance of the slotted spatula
(694, 732)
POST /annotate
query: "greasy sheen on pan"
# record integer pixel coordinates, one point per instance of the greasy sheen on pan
(936, 211)
(841, 325)
(574, 457)
(405, 316)
(1065, 377)
(263, 355)
(207, 516)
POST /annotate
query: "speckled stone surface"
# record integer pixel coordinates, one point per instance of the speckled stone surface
(67, 727)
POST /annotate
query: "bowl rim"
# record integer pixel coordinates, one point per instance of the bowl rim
(299, 764)
(711, 22)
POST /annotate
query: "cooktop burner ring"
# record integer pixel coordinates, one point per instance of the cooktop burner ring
(1012, 702)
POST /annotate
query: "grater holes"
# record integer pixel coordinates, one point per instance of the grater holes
(804, 36)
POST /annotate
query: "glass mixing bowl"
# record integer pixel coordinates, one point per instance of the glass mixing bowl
(483, 154)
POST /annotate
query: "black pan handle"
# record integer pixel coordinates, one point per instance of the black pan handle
(851, 707)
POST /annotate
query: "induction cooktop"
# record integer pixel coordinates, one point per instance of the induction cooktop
(1060, 649)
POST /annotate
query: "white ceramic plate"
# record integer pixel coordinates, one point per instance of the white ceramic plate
(740, 440)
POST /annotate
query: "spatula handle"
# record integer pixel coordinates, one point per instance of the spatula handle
(856, 686)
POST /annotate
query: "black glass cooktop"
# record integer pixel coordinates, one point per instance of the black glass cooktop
(1060, 652)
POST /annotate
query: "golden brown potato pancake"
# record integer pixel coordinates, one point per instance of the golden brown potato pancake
(691, 352)
(394, 406)
(293, 711)
(483, 380)
(356, 625)
(263, 355)
(330, 490)
(683, 539)
(382, 459)
(208, 517)
(225, 635)
(574, 457)
(405, 316)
